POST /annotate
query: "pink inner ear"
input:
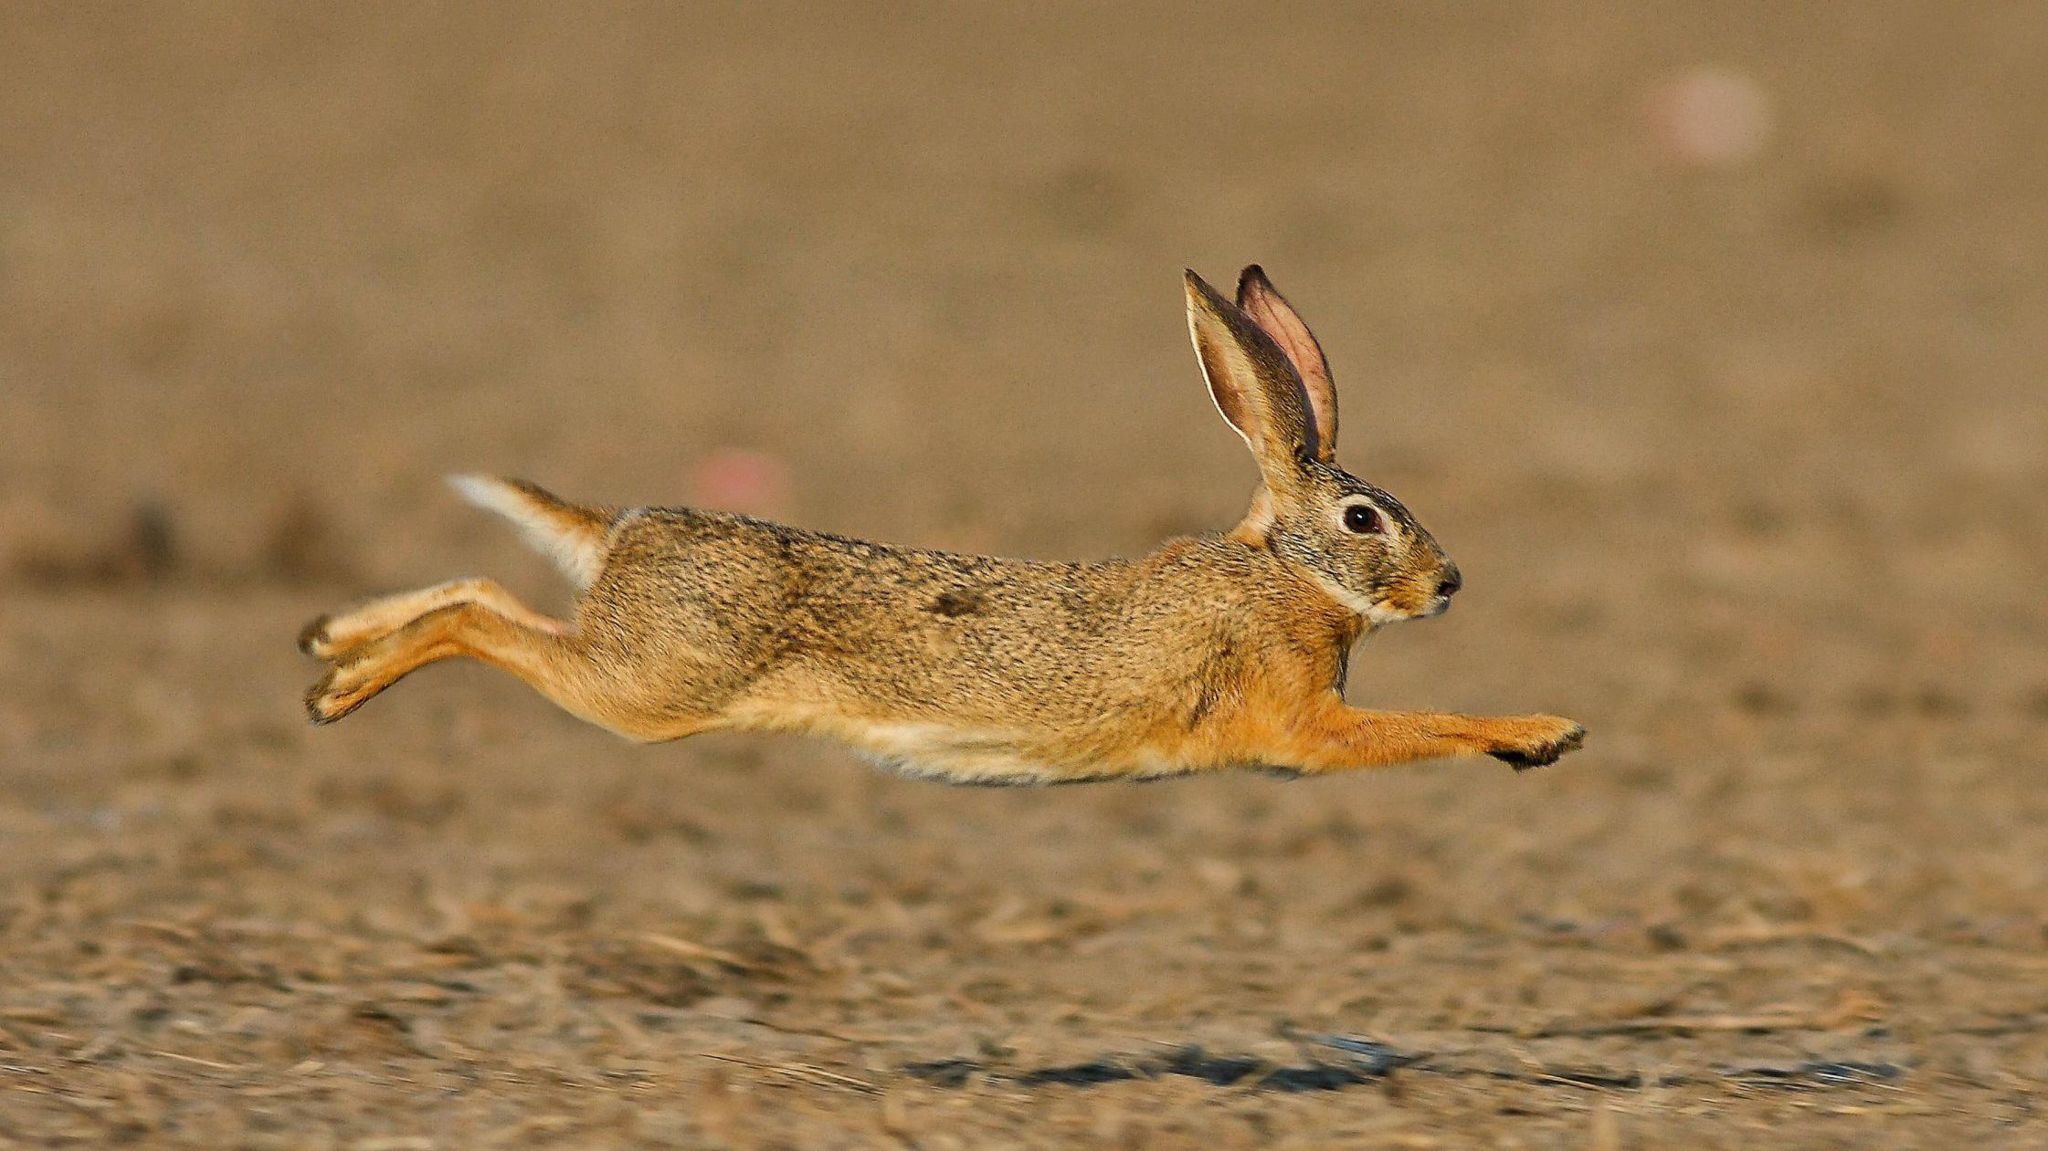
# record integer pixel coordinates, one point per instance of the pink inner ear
(1278, 320)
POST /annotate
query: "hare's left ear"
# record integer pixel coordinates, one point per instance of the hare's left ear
(1254, 386)
(1278, 319)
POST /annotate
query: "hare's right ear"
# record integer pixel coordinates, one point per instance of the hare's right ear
(1254, 386)
(1278, 319)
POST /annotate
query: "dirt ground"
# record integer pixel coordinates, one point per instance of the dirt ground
(1743, 461)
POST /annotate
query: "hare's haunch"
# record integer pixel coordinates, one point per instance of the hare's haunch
(1212, 652)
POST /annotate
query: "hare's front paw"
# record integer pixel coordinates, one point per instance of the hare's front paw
(1537, 740)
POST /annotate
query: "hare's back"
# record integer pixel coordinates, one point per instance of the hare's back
(902, 631)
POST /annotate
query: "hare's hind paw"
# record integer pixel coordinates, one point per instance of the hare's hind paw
(323, 706)
(314, 639)
(338, 693)
(336, 637)
(1545, 741)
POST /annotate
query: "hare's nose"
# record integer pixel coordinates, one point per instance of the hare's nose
(1450, 584)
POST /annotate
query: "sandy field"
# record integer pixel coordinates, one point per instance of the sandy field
(1709, 340)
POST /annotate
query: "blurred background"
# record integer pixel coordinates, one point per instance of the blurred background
(1707, 339)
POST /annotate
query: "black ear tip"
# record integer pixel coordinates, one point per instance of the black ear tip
(1253, 282)
(1199, 289)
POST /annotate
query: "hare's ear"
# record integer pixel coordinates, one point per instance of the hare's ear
(1253, 385)
(1278, 319)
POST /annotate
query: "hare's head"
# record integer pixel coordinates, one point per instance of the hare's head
(1270, 381)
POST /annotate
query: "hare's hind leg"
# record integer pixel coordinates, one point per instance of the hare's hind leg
(332, 637)
(590, 680)
(544, 652)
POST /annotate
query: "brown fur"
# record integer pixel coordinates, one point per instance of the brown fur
(1213, 651)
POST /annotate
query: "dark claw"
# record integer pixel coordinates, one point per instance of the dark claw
(313, 633)
(314, 694)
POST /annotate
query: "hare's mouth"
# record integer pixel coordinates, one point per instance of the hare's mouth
(1395, 610)
(1391, 611)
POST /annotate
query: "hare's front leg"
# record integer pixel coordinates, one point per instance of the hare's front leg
(1334, 737)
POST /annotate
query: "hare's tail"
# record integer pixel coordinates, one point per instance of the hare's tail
(571, 535)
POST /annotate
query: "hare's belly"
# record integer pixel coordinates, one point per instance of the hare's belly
(997, 758)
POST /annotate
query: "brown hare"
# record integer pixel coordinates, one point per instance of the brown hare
(1213, 652)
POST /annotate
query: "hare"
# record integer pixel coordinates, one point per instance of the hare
(1215, 651)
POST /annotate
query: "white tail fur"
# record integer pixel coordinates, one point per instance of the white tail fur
(572, 536)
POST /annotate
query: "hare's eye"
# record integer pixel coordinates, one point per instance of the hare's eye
(1362, 519)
